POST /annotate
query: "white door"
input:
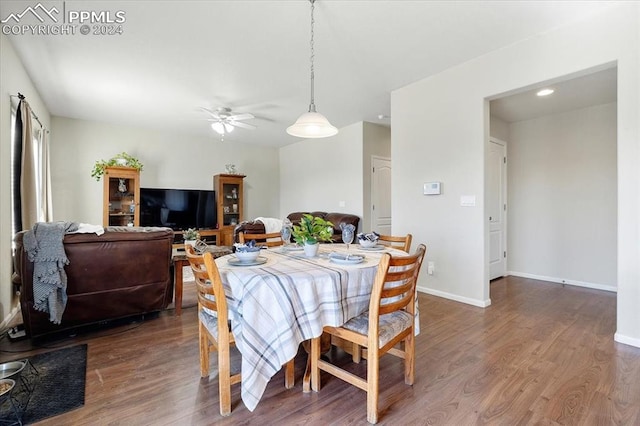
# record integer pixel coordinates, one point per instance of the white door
(497, 208)
(380, 195)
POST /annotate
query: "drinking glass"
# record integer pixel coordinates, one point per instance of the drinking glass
(348, 232)
(285, 233)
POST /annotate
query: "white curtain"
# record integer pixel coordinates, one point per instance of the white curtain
(35, 178)
(44, 198)
(28, 179)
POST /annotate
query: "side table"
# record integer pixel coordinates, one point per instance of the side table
(180, 261)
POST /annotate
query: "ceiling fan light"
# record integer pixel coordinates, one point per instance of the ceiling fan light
(228, 127)
(312, 125)
(218, 127)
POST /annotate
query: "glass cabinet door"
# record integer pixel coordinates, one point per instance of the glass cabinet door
(230, 202)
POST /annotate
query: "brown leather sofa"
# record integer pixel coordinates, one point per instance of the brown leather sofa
(124, 272)
(257, 227)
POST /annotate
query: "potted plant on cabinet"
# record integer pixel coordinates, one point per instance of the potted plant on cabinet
(190, 237)
(310, 231)
(123, 159)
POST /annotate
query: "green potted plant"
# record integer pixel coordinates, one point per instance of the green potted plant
(190, 237)
(310, 231)
(123, 159)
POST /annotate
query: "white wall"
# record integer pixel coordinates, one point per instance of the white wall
(499, 129)
(377, 141)
(170, 161)
(319, 174)
(13, 79)
(563, 197)
(440, 129)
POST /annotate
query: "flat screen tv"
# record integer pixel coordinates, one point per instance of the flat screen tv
(178, 209)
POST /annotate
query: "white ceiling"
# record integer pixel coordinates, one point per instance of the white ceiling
(595, 88)
(176, 56)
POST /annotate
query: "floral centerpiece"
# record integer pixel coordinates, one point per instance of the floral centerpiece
(310, 231)
(122, 159)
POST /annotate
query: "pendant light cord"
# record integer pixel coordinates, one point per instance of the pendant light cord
(312, 106)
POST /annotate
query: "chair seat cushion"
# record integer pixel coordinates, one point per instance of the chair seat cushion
(390, 325)
(210, 322)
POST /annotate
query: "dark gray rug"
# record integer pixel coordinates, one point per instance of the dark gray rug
(59, 383)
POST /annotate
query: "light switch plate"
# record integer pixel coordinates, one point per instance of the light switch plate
(468, 200)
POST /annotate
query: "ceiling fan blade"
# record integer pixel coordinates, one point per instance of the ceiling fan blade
(244, 116)
(242, 125)
(214, 114)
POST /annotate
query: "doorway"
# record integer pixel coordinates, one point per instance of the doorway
(381, 195)
(497, 207)
(562, 179)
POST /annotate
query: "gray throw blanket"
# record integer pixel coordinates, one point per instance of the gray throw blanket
(45, 249)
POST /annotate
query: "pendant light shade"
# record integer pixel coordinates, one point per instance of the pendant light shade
(312, 124)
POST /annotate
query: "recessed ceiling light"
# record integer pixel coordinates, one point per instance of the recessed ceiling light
(545, 92)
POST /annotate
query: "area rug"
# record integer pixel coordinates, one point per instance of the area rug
(59, 386)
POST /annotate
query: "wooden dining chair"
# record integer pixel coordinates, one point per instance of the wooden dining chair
(214, 327)
(389, 321)
(401, 243)
(273, 239)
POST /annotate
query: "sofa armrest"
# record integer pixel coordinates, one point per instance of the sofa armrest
(248, 227)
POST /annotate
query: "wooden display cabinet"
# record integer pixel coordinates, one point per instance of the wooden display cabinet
(121, 202)
(229, 204)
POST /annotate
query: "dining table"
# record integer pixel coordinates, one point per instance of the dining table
(284, 298)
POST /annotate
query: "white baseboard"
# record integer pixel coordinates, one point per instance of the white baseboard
(564, 281)
(457, 298)
(620, 338)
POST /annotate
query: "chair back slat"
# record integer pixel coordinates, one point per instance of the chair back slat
(401, 243)
(273, 239)
(395, 284)
(208, 283)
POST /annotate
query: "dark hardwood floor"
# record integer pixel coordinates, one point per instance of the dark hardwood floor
(541, 354)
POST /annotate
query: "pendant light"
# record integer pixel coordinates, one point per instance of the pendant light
(312, 124)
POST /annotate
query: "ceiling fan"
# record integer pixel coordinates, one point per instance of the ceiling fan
(223, 120)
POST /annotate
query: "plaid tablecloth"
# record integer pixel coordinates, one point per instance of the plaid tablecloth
(275, 306)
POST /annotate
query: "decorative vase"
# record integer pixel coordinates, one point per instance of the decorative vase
(311, 250)
(191, 243)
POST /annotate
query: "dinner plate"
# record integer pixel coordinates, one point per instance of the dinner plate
(292, 247)
(234, 261)
(374, 248)
(343, 259)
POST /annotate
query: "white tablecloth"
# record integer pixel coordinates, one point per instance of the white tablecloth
(275, 306)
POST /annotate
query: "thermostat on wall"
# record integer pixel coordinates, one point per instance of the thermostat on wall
(432, 188)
